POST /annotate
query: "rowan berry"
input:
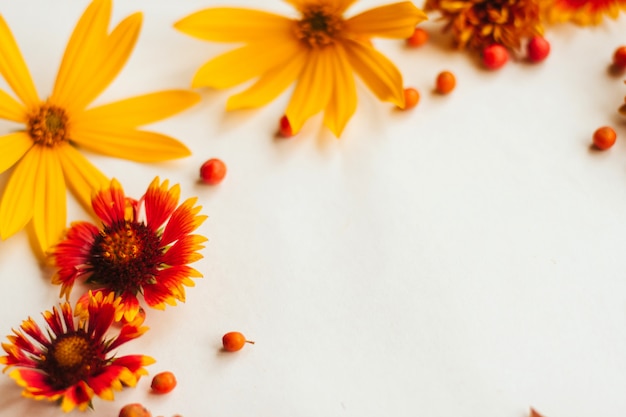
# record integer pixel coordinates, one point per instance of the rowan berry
(284, 128)
(538, 49)
(619, 57)
(604, 137)
(134, 410)
(234, 341)
(411, 98)
(163, 382)
(495, 56)
(445, 82)
(213, 171)
(418, 38)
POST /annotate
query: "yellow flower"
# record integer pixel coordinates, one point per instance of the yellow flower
(321, 50)
(582, 12)
(477, 24)
(44, 153)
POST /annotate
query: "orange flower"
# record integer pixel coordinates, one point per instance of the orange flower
(582, 12)
(73, 359)
(321, 51)
(142, 247)
(479, 23)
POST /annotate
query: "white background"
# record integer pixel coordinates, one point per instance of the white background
(462, 259)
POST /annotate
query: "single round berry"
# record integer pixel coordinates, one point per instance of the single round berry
(134, 410)
(538, 49)
(446, 81)
(619, 57)
(604, 138)
(418, 38)
(163, 382)
(411, 98)
(284, 128)
(495, 56)
(213, 171)
(234, 341)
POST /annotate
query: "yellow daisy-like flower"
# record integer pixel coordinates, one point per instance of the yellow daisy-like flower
(44, 153)
(476, 24)
(582, 12)
(321, 50)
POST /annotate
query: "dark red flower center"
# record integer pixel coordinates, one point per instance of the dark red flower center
(320, 25)
(48, 125)
(124, 257)
(71, 358)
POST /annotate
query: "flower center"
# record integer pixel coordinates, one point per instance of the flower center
(125, 256)
(319, 27)
(71, 358)
(48, 125)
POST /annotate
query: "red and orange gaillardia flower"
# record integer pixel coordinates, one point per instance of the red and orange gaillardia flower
(142, 247)
(582, 12)
(73, 359)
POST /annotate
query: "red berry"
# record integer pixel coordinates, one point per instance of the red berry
(495, 56)
(213, 171)
(619, 57)
(446, 81)
(411, 98)
(163, 382)
(604, 138)
(284, 127)
(538, 49)
(134, 410)
(234, 341)
(418, 38)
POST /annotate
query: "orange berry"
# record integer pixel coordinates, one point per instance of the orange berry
(538, 49)
(411, 98)
(213, 171)
(495, 56)
(418, 38)
(163, 382)
(284, 128)
(445, 82)
(234, 341)
(604, 138)
(134, 410)
(619, 57)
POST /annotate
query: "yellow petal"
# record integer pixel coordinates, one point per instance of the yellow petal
(14, 69)
(241, 64)
(49, 214)
(10, 109)
(378, 73)
(119, 46)
(312, 93)
(16, 208)
(137, 111)
(12, 147)
(396, 20)
(271, 84)
(229, 24)
(126, 143)
(343, 99)
(82, 176)
(82, 53)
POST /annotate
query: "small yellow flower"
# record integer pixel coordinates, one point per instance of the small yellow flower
(476, 24)
(321, 50)
(44, 153)
(582, 12)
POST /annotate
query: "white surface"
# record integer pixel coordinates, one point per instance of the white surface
(462, 259)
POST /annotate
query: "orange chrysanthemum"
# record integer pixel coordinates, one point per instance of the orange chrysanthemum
(45, 151)
(476, 24)
(74, 359)
(320, 51)
(142, 247)
(582, 12)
